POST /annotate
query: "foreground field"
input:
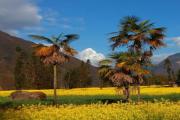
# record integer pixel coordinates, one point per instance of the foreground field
(148, 111)
(159, 103)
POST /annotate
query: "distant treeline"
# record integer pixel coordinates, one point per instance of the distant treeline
(31, 73)
(154, 79)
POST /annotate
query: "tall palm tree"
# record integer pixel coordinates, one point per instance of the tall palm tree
(139, 38)
(57, 52)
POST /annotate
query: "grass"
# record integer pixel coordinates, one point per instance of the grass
(85, 103)
(94, 95)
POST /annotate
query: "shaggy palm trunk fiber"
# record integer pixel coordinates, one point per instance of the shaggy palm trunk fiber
(138, 92)
(127, 93)
(55, 84)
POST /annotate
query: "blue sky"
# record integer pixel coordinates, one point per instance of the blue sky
(94, 19)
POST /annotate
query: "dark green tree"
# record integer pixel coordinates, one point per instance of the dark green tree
(39, 74)
(84, 74)
(178, 78)
(71, 79)
(30, 72)
(169, 70)
(79, 76)
(19, 75)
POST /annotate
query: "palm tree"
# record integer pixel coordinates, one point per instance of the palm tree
(104, 70)
(139, 38)
(115, 73)
(121, 72)
(57, 52)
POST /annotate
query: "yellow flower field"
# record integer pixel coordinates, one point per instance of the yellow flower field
(158, 103)
(152, 90)
(146, 111)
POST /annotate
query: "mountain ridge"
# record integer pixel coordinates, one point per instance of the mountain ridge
(8, 46)
(175, 61)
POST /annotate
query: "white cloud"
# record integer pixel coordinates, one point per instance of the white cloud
(54, 18)
(18, 14)
(176, 40)
(50, 17)
(75, 23)
(92, 55)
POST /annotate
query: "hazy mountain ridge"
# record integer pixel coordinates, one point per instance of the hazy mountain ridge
(175, 61)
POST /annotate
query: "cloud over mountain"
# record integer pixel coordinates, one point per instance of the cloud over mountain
(92, 55)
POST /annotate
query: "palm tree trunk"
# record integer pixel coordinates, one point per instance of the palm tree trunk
(127, 93)
(69, 84)
(55, 84)
(139, 94)
(101, 84)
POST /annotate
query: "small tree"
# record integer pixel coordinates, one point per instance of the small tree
(120, 70)
(56, 53)
(84, 74)
(39, 73)
(170, 72)
(19, 74)
(71, 79)
(178, 78)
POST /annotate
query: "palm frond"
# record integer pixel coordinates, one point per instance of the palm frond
(56, 58)
(120, 56)
(60, 35)
(105, 62)
(70, 37)
(69, 51)
(129, 20)
(121, 64)
(45, 51)
(38, 37)
(36, 46)
(113, 33)
(105, 71)
(145, 25)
